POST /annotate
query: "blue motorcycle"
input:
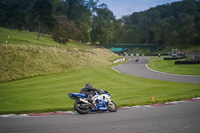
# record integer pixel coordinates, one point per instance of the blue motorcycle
(101, 102)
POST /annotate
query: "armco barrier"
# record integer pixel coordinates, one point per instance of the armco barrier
(134, 54)
(118, 60)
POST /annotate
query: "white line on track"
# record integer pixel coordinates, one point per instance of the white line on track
(116, 70)
(169, 73)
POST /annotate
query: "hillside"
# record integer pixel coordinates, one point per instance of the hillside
(175, 24)
(20, 60)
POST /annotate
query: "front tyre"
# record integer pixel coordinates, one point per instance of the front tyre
(80, 108)
(112, 107)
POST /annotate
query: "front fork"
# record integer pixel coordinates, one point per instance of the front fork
(110, 104)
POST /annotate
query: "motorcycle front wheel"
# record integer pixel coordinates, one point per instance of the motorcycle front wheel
(80, 108)
(112, 107)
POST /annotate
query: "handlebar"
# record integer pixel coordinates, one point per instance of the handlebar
(101, 91)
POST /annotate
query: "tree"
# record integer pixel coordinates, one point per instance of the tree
(13, 13)
(164, 25)
(3, 18)
(65, 30)
(80, 11)
(41, 14)
(117, 30)
(16, 17)
(60, 7)
(188, 31)
(102, 28)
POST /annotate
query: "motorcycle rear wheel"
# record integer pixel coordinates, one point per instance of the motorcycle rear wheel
(112, 107)
(80, 109)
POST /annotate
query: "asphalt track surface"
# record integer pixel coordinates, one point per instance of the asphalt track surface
(176, 118)
(183, 117)
(140, 69)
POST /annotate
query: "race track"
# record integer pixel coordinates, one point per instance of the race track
(174, 117)
(140, 69)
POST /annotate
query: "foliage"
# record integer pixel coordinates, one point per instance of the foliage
(166, 25)
(80, 13)
(41, 14)
(102, 28)
(65, 30)
(13, 13)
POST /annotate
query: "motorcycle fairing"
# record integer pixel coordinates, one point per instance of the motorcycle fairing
(101, 105)
(75, 96)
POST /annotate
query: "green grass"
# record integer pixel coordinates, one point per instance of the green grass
(24, 56)
(24, 37)
(30, 38)
(50, 93)
(169, 66)
(22, 61)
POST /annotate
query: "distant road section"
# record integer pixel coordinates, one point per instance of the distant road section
(139, 68)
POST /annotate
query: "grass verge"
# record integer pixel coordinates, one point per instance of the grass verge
(22, 61)
(50, 93)
(169, 66)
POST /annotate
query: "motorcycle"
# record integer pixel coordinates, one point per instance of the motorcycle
(101, 102)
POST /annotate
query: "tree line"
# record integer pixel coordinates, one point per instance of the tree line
(177, 23)
(80, 20)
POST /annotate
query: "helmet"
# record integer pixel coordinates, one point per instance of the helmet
(88, 85)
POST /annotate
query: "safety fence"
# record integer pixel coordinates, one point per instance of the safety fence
(118, 60)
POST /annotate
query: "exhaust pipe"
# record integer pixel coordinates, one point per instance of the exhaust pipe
(85, 101)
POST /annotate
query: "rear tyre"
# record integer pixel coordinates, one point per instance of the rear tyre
(112, 107)
(80, 108)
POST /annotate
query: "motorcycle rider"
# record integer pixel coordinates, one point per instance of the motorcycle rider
(89, 91)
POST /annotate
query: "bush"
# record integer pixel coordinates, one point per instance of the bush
(187, 62)
(65, 30)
